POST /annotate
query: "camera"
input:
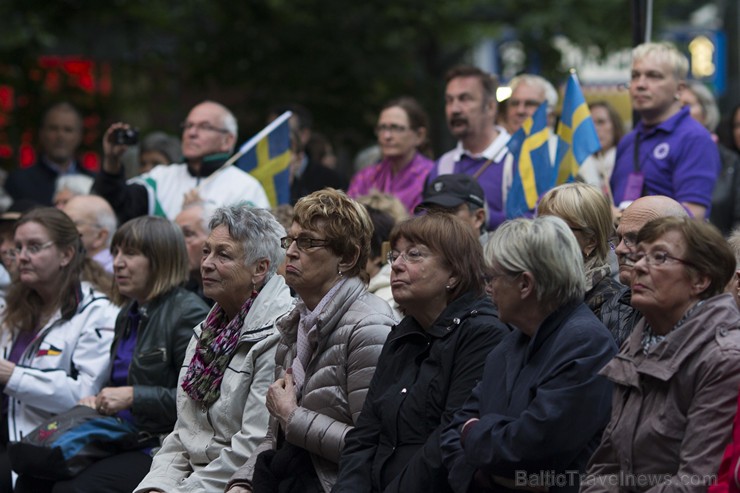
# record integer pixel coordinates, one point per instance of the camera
(124, 136)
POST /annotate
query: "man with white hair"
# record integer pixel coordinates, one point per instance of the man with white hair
(528, 92)
(668, 153)
(208, 139)
(96, 222)
(194, 222)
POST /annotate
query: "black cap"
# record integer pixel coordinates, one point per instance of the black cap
(452, 190)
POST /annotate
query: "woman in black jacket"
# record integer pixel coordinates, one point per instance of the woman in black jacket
(430, 361)
(151, 334)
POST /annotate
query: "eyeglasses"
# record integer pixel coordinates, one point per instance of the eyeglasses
(412, 256)
(303, 242)
(202, 127)
(655, 258)
(392, 128)
(630, 240)
(34, 248)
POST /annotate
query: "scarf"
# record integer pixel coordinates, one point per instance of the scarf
(213, 352)
(307, 337)
(595, 270)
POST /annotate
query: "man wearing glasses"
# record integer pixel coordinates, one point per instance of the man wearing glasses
(618, 311)
(208, 139)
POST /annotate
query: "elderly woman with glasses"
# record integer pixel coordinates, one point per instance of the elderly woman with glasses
(57, 329)
(429, 364)
(228, 366)
(540, 405)
(329, 346)
(676, 377)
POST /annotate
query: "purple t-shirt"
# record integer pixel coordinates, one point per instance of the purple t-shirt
(491, 181)
(407, 185)
(124, 355)
(677, 157)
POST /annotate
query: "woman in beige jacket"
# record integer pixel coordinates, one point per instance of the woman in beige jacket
(328, 349)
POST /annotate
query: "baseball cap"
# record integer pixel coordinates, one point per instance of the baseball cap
(452, 190)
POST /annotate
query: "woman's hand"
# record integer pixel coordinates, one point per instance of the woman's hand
(281, 400)
(111, 400)
(88, 401)
(6, 370)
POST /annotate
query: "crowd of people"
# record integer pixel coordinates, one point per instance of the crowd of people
(406, 335)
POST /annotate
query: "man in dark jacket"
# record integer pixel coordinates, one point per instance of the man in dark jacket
(60, 135)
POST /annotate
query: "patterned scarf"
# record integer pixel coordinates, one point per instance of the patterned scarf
(215, 348)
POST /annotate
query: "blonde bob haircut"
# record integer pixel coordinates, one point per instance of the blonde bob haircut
(162, 243)
(664, 52)
(546, 248)
(585, 207)
(344, 222)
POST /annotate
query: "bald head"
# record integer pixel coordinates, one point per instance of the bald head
(95, 221)
(638, 214)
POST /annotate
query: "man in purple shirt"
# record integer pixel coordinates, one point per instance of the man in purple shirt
(668, 153)
(470, 108)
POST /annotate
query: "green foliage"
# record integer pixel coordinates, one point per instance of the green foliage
(341, 59)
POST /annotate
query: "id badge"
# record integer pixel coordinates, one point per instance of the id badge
(635, 183)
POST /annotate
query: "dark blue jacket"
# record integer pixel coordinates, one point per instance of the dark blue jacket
(541, 403)
(422, 378)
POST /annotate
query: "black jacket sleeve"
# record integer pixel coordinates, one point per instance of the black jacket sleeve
(128, 200)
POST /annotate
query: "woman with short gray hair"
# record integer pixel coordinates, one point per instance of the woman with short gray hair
(230, 361)
(541, 404)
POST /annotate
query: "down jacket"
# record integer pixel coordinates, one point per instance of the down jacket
(352, 329)
(208, 444)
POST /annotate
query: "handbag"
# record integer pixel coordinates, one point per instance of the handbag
(65, 444)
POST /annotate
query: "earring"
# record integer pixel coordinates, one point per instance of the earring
(448, 287)
(340, 273)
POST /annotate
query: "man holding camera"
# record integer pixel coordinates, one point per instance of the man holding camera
(60, 135)
(208, 139)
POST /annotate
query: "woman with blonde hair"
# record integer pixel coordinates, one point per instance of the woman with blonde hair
(587, 212)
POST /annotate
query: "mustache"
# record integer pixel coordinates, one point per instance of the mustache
(455, 119)
(624, 260)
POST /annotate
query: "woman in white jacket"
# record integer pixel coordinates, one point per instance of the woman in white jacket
(60, 329)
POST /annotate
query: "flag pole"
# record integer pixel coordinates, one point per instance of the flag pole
(249, 145)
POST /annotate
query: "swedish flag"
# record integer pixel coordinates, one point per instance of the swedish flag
(576, 132)
(266, 156)
(533, 172)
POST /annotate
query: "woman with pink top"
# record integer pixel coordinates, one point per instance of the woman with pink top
(402, 136)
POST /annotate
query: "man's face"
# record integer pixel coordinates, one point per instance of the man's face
(204, 133)
(89, 229)
(468, 113)
(629, 226)
(60, 135)
(653, 88)
(522, 104)
(190, 221)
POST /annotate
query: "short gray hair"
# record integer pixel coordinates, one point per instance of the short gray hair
(256, 229)
(551, 94)
(707, 102)
(546, 248)
(78, 184)
(106, 219)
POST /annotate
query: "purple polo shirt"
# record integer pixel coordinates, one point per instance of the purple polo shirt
(124, 355)
(491, 179)
(407, 185)
(677, 157)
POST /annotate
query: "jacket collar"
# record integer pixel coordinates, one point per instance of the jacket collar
(714, 318)
(333, 311)
(272, 302)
